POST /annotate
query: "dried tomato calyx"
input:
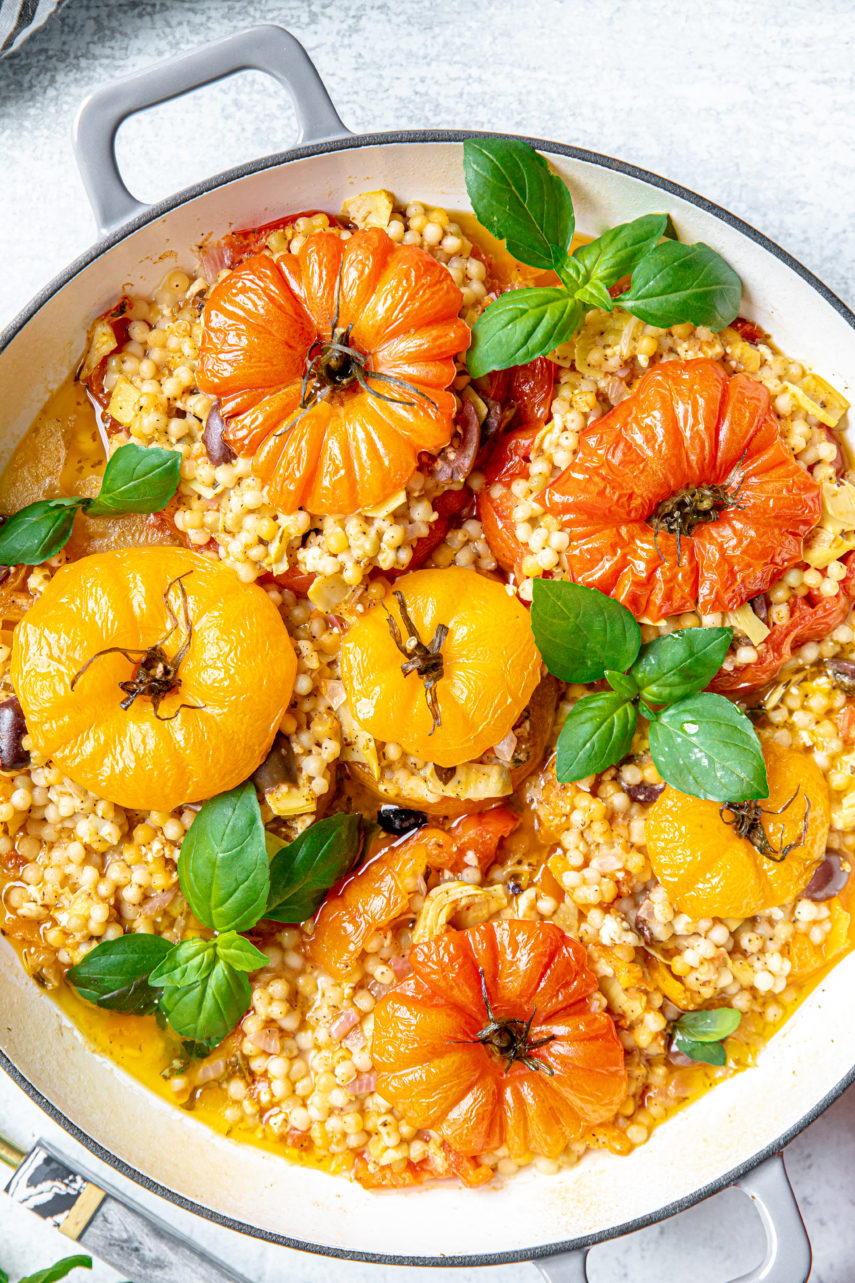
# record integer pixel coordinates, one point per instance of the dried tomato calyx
(334, 365)
(156, 673)
(682, 512)
(426, 660)
(511, 1039)
(748, 822)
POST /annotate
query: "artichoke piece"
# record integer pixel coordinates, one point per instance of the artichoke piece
(291, 799)
(125, 402)
(745, 621)
(820, 399)
(369, 209)
(102, 341)
(450, 898)
(476, 781)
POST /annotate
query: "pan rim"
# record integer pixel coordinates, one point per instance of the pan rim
(10, 332)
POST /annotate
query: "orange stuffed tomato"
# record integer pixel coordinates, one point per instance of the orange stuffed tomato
(444, 666)
(493, 1041)
(332, 366)
(736, 860)
(152, 676)
(684, 495)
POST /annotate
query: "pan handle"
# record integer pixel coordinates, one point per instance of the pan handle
(264, 48)
(788, 1254)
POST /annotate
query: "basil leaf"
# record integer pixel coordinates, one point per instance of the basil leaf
(521, 325)
(303, 872)
(209, 1009)
(680, 663)
(620, 249)
(621, 683)
(223, 866)
(580, 632)
(516, 196)
(677, 283)
(709, 1053)
(115, 973)
(137, 478)
(58, 1271)
(596, 295)
(708, 1026)
(186, 963)
(706, 747)
(597, 733)
(239, 952)
(38, 531)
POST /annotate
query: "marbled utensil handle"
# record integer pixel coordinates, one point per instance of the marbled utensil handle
(137, 1244)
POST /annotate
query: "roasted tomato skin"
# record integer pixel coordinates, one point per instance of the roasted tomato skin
(688, 435)
(812, 617)
(436, 1068)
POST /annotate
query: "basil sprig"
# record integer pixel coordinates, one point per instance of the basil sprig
(700, 743)
(700, 1034)
(53, 1273)
(136, 479)
(517, 198)
(232, 874)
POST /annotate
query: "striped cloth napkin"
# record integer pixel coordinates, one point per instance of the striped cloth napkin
(20, 18)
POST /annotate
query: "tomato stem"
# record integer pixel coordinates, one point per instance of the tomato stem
(682, 512)
(748, 822)
(426, 660)
(333, 364)
(510, 1039)
(155, 675)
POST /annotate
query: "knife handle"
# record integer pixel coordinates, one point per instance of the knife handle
(136, 1243)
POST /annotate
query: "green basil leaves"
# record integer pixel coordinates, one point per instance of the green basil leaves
(576, 631)
(521, 325)
(223, 865)
(230, 883)
(700, 743)
(115, 973)
(136, 479)
(53, 1273)
(301, 874)
(517, 198)
(677, 283)
(700, 1034)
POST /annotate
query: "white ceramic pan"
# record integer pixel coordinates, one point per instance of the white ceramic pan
(730, 1136)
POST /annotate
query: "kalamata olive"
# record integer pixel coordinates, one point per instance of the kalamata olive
(279, 767)
(13, 728)
(760, 606)
(215, 447)
(829, 879)
(400, 819)
(842, 673)
(643, 792)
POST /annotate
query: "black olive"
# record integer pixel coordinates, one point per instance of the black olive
(279, 767)
(829, 879)
(445, 774)
(760, 606)
(842, 673)
(515, 887)
(400, 819)
(215, 447)
(643, 792)
(13, 728)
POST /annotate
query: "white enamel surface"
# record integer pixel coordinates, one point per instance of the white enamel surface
(716, 1134)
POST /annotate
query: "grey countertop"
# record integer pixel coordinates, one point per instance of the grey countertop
(751, 104)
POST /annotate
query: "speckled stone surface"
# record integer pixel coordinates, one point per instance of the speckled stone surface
(748, 103)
